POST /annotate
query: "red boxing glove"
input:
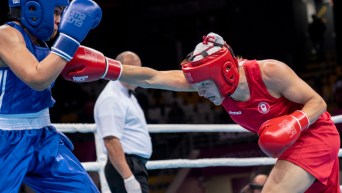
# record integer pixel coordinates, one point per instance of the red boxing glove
(89, 65)
(278, 134)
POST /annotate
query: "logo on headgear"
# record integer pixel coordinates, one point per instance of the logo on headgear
(188, 77)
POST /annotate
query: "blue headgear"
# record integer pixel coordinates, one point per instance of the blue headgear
(37, 16)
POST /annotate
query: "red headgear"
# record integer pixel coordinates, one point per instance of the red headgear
(220, 67)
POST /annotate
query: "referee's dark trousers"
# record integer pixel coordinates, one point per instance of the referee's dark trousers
(138, 167)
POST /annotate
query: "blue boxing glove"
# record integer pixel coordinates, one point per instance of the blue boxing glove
(77, 20)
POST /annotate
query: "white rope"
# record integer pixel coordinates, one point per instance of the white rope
(157, 128)
(337, 118)
(198, 163)
(168, 128)
(209, 162)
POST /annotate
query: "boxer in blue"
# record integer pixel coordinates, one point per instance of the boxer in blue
(32, 151)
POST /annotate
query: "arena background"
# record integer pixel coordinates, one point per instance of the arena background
(163, 33)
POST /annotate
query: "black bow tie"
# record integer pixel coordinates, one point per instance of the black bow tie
(130, 93)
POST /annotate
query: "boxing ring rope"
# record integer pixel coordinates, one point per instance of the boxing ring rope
(99, 164)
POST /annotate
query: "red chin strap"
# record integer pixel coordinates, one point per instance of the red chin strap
(220, 67)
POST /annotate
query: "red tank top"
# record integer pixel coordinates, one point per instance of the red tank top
(261, 106)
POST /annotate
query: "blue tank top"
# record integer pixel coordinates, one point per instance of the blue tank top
(16, 97)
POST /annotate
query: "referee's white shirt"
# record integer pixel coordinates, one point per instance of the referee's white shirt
(120, 115)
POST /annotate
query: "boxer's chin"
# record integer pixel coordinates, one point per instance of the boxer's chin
(54, 33)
